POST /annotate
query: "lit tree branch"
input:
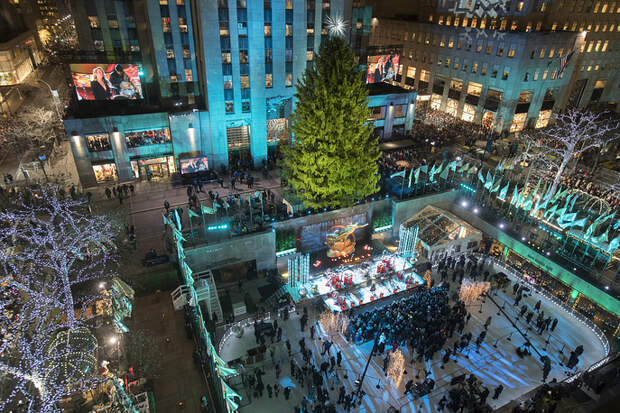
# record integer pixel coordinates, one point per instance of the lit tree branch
(572, 133)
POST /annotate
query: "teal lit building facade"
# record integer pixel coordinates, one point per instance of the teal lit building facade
(219, 79)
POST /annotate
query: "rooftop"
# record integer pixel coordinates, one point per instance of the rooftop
(383, 88)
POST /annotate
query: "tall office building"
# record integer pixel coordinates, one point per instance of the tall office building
(510, 63)
(217, 78)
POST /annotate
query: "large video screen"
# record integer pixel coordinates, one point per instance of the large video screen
(191, 165)
(106, 81)
(382, 68)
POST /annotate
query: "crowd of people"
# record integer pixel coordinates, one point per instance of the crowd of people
(120, 192)
(423, 321)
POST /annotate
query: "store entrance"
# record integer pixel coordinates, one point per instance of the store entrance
(154, 168)
(155, 171)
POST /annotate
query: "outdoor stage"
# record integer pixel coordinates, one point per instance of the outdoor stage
(355, 285)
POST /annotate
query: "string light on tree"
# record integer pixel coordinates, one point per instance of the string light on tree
(334, 323)
(471, 291)
(396, 367)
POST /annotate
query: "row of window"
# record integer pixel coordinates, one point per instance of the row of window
(595, 46)
(186, 53)
(189, 76)
(165, 22)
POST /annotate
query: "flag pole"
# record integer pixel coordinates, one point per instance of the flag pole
(204, 225)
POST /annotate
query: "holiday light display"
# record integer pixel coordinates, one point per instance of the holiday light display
(52, 244)
(471, 291)
(334, 323)
(396, 367)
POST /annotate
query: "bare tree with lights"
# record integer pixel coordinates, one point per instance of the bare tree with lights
(55, 246)
(570, 134)
(54, 250)
(32, 128)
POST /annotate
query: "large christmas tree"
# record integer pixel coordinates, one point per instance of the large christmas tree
(332, 160)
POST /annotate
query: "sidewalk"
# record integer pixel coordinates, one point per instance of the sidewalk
(179, 380)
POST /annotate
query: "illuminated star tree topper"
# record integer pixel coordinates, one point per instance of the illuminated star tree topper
(336, 26)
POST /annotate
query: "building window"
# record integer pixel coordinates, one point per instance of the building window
(93, 21)
(98, 143)
(224, 31)
(189, 77)
(288, 29)
(268, 80)
(245, 82)
(267, 30)
(544, 75)
(229, 107)
(506, 73)
(309, 55)
(165, 22)
(289, 79)
(228, 82)
(245, 106)
(170, 53)
(243, 56)
(238, 137)
(377, 112)
(518, 122)
(186, 53)
(112, 23)
(226, 58)
(400, 111)
(543, 119)
(535, 77)
(182, 25)
(474, 68)
(519, 6)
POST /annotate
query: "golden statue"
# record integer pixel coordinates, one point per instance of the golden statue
(341, 240)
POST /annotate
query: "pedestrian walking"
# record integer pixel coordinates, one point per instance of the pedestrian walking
(498, 390)
(554, 323)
